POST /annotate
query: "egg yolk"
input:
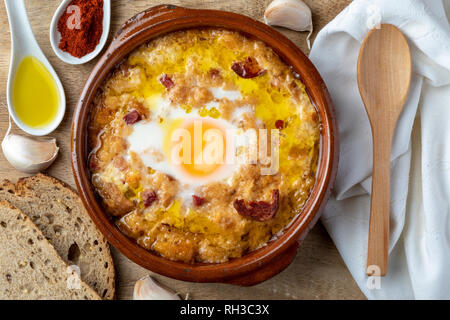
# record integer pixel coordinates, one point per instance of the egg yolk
(197, 147)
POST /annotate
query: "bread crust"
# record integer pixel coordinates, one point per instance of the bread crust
(58, 211)
(31, 268)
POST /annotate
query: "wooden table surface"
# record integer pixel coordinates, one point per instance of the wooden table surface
(317, 272)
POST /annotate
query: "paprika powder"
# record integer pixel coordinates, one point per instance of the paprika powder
(81, 27)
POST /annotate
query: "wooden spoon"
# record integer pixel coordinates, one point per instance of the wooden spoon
(384, 74)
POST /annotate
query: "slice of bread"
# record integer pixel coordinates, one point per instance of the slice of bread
(30, 268)
(59, 213)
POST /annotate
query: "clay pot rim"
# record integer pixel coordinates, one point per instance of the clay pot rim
(255, 266)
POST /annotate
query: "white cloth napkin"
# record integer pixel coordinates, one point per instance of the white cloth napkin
(419, 259)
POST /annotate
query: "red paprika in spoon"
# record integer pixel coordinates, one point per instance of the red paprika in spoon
(81, 27)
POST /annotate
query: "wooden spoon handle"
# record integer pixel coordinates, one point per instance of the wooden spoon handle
(380, 205)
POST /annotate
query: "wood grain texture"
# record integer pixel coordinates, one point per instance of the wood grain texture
(317, 272)
(384, 75)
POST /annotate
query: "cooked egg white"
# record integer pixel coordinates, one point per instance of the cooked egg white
(153, 141)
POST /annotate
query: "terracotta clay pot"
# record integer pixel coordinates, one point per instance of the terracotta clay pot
(256, 266)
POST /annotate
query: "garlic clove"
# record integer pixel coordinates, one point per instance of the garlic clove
(27, 154)
(147, 289)
(291, 14)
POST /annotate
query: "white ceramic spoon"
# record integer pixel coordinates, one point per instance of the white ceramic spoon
(24, 44)
(55, 35)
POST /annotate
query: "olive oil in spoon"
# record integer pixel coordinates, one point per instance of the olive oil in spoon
(35, 94)
(36, 100)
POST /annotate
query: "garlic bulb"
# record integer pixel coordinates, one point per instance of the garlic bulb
(27, 154)
(291, 14)
(147, 289)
